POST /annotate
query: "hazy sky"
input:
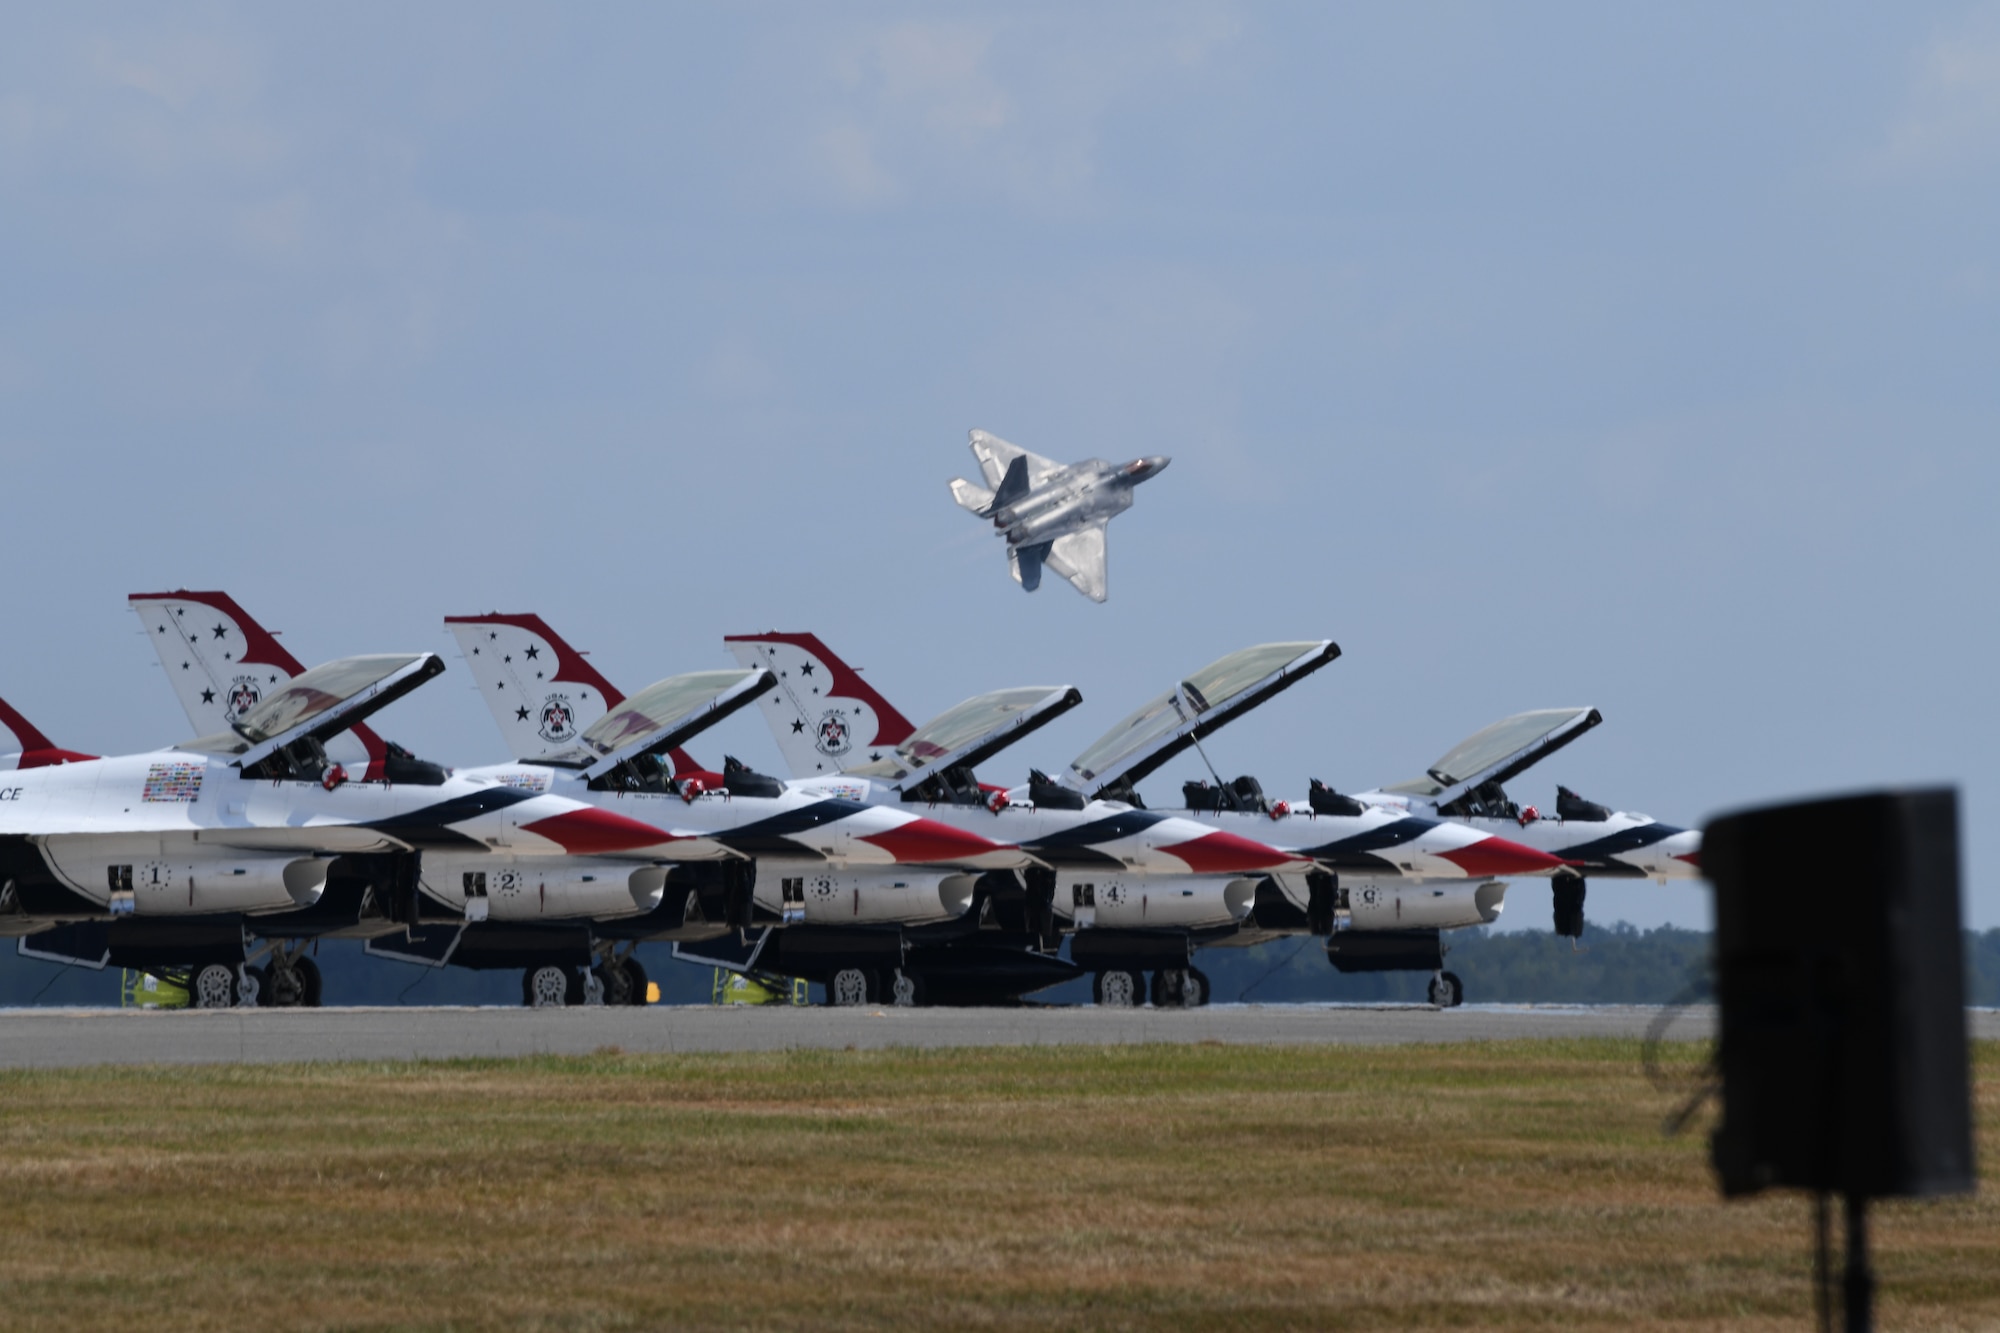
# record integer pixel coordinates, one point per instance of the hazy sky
(1639, 356)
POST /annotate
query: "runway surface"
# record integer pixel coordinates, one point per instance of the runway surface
(42, 1038)
(53, 1038)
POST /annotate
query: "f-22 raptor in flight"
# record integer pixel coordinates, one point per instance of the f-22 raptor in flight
(1051, 514)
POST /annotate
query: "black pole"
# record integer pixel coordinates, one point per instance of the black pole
(1822, 1262)
(1860, 1279)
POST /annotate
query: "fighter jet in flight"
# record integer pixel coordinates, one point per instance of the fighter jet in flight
(1051, 514)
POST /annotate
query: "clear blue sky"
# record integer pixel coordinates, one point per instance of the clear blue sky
(1639, 356)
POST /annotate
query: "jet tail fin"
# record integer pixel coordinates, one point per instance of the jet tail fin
(542, 692)
(22, 745)
(1012, 486)
(824, 716)
(222, 663)
(1027, 563)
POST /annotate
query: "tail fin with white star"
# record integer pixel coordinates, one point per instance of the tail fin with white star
(541, 691)
(222, 663)
(824, 716)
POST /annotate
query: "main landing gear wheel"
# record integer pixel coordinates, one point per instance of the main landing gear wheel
(906, 990)
(1195, 990)
(1447, 991)
(292, 987)
(635, 978)
(213, 986)
(309, 982)
(850, 987)
(550, 987)
(1118, 988)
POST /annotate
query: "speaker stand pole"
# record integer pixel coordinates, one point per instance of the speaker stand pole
(1860, 1278)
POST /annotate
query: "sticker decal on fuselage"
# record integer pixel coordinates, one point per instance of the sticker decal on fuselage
(173, 781)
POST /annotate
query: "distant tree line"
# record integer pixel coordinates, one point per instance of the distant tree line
(1617, 964)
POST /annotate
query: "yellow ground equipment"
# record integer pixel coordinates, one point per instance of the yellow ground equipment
(738, 988)
(143, 990)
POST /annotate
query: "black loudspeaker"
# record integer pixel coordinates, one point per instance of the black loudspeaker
(1840, 975)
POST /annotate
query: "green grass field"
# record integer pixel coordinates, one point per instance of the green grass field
(1493, 1185)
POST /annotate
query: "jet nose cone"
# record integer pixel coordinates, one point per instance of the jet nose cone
(922, 841)
(588, 831)
(1221, 853)
(1144, 469)
(1684, 846)
(1497, 858)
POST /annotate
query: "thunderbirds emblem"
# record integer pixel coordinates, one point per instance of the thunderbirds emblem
(558, 719)
(241, 696)
(832, 738)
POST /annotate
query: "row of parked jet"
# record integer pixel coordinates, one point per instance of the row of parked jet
(882, 867)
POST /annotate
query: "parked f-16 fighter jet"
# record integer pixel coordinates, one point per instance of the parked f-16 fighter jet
(1596, 842)
(177, 855)
(1049, 513)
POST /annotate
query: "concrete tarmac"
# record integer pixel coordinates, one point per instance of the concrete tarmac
(53, 1038)
(40, 1038)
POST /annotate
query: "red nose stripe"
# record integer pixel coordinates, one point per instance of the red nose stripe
(592, 832)
(1221, 853)
(1692, 858)
(926, 840)
(1497, 856)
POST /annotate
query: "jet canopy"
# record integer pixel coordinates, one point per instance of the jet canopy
(1496, 753)
(663, 715)
(1205, 701)
(975, 730)
(320, 703)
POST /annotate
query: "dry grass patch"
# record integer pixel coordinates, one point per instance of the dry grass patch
(1501, 1185)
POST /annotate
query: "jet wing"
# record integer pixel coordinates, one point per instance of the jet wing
(994, 455)
(1217, 694)
(320, 704)
(660, 717)
(1079, 557)
(1498, 752)
(973, 731)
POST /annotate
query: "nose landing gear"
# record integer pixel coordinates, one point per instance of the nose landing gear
(1447, 991)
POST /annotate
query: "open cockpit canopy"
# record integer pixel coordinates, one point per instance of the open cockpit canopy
(1496, 753)
(1221, 691)
(971, 732)
(319, 704)
(665, 714)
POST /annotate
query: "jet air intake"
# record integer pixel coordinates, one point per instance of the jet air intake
(131, 882)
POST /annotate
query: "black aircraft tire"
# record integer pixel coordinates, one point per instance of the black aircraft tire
(1117, 988)
(1197, 991)
(274, 993)
(906, 990)
(539, 986)
(1447, 991)
(851, 987)
(212, 987)
(309, 982)
(637, 974)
